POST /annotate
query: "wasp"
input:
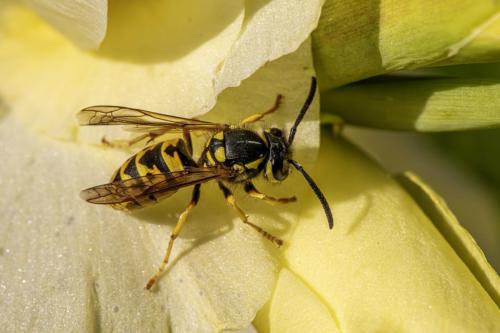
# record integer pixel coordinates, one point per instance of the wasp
(232, 154)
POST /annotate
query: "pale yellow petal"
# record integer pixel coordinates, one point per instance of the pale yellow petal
(384, 267)
(83, 22)
(458, 237)
(50, 79)
(270, 29)
(172, 57)
(66, 265)
(296, 308)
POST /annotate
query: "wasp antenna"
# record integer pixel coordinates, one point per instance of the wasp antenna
(305, 107)
(316, 191)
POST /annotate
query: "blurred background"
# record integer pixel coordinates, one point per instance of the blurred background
(463, 167)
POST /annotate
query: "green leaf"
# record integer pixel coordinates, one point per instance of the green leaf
(483, 46)
(422, 104)
(363, 38)
(477, 151)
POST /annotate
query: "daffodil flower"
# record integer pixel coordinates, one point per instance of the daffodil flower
(396, 260)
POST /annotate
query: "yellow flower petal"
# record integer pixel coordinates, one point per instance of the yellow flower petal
(267, 34)
(83, 22)
(295, 308)
(462, 242)
(173, 57)
(66, 265)
(50, 79)
(384, 267)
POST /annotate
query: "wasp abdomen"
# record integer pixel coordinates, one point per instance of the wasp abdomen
(163, 157)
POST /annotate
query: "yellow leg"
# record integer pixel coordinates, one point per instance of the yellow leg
(123, 143)
(174, 234)
(230, 199)
(254, 193)
(258, 116)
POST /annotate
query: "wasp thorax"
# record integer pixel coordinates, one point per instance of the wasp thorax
(277, 162)
(243, 151)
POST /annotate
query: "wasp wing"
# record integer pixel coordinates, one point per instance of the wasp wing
(120, 115)
(139, 189)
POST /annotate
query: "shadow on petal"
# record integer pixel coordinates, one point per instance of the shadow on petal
(159, 31)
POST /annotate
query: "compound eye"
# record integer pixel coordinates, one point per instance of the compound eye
(280, 169)
(276, 132)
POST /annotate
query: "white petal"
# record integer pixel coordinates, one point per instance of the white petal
(167, 56)
(66, 265)
(270, 30)
(83, 22)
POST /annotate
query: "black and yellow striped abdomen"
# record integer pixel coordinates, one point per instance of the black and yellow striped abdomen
(163, 157)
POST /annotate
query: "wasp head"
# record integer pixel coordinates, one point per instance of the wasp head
(279, 159)
(277, 166)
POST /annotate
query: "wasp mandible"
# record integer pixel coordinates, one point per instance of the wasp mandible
(232, 154)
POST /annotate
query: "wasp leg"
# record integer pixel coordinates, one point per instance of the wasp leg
(254, 193)
(125, 143)
(231, 200)
(258, 116)
(180, 223)
(189, 142)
